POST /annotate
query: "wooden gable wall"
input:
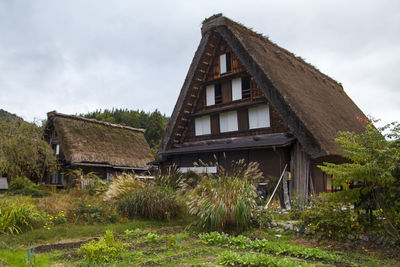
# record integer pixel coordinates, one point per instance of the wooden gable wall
(241, 106)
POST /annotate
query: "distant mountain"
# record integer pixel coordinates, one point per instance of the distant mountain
(5, 115)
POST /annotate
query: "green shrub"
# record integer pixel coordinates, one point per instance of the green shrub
(330, 219)
(261, 218)
(18, 214)
(223, 202)
(106, 250)
(151, 202)
(25, 187)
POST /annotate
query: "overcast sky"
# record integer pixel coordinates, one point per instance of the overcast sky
(79, 56)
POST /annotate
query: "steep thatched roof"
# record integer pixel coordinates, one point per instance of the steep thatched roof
(312, 105)
(90, 141)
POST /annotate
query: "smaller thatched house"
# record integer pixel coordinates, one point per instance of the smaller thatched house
(95, 146)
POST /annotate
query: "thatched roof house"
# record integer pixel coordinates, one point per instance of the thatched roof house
(302, 104)
(96, 145)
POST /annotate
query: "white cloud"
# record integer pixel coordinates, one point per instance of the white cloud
(77, 56)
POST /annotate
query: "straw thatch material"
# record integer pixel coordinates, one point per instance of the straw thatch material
(312, 105)
(90, 141)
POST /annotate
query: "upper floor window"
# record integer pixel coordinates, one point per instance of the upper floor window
(202, 125)
(225, 63)
(240, 88)
(228, 121)
(259, 117)
(246, 93)
(213, 94)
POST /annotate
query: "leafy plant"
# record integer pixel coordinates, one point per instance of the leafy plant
(174, 241)
(153, 237)
(269, 247)
(106, 250)
(92, 213)
(331, 219)
(18, 214)
(151, 202)
(230, 258)
(261, 218)
(89, 181)
(371, 177)
(24, 186)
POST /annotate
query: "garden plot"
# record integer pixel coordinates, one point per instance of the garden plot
(175, 246)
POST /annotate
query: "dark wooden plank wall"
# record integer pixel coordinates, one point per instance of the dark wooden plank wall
(271, 161)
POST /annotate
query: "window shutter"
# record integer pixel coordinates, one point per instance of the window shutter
(222, 63)
(259, 117)
(228, 121)
(210, 95)
(202, 125)
(236, 89)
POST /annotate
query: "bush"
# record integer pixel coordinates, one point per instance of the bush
(18, 214)
(151, 202)
(224, 202)
(25, 187)
(331, 219)
(261, 218)
(103, 251)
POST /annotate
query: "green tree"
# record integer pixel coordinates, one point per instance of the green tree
(23, 152)
(371, 177)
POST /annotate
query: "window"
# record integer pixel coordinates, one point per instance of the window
(225, 63)
(241, 88)
(236, 89)
(212, 169)
(246, 93)
(228, 121)
(202, 125)
(213, 94)
(218, 93)
(210, 95)
(259, 117)
(57, 149)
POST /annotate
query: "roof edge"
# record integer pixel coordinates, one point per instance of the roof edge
(54, 113)
(212, 22)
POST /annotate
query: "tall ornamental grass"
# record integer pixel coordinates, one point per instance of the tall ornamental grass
(150, 202)
(19, 214)
(121, 186)
(226, 202)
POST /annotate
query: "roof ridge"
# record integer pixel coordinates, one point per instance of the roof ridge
(75, 117)
(220, 20)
